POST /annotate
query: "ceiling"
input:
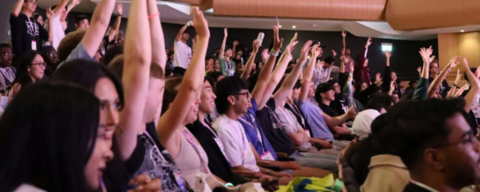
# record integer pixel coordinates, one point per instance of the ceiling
(179, 13)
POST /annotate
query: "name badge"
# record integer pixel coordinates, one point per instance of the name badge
(267, 156)
(34, 45)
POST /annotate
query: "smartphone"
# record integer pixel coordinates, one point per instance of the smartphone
(260, 37)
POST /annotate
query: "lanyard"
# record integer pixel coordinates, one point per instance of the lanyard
(191, 139)
(257, 130)
(219, 143)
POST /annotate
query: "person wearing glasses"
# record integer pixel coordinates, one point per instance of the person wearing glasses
(7, 72)
(27, 33)
(31, 68)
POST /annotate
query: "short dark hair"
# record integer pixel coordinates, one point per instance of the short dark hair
(329, 60)
(69, 43)
(214, 75)
(227, 48)
(418, 125)
(4, 45)
(111, 53)
(186, 32)
(44, 119)
(116, 66)
(226, 87)
(80, 18)
(322, 88)
(378, 101)
(297, 85)
(170, 92)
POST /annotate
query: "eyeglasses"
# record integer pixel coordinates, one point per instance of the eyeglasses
(246, 94)
(7, 53)
(40, 64)
(469, 139)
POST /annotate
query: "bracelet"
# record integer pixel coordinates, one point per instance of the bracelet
(229, 185)
(153, 15)
(188, 24)
(273, 53)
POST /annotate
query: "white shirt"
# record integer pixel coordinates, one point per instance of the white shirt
(182, 56)
(363, 121)
(58, 32)
(235, 142)
(28, 188)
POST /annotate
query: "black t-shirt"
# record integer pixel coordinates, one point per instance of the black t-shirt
(270, 124)
(24, 31)
(444, 87)
(328, 110)
(217, 163)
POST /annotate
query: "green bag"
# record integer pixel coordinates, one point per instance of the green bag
(313, 184)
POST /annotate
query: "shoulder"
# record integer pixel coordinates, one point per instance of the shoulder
(28, 188)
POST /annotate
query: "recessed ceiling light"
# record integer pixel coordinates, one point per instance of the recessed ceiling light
(314, 25)
(294, 26)
(280, 26)
(462, 31)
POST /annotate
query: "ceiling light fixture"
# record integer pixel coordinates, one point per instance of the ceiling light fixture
(280, 26)
(314, 25)
(461, 31)
(294, 26)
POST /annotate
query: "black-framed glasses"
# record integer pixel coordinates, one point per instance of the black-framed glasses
(245, 94)
(7, 53)
(468, 139)
(40, 64)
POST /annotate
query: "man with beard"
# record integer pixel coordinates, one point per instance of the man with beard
(436, 144)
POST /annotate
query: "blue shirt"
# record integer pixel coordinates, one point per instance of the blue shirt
(314, 117)
(252, 129)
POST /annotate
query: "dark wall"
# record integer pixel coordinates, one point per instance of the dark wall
(405, 57)
(5, 10)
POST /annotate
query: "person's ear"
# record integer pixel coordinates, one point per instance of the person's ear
(434, 158)
(231, 99)
(29, 68)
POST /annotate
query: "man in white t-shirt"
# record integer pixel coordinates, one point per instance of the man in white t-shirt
(58, 21)
(183, 53)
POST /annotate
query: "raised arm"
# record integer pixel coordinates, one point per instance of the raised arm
(421, 91)
(72, 5)
(338, 120)
(49, 14)
(438, 81)
(116, 25)
(287, 86)
(387, 78)
(136, 73)
(17, 8)
(248, 68)
(224, 42)
(264, 75)
(180, 33)
(98, 25)
(307, 75)
(344, 34)
(475, 86)
(278, 74)
(191, 84)
(60, 7)
(156, 34)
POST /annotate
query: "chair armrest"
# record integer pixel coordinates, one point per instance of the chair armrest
(282, 155)
(263, 163)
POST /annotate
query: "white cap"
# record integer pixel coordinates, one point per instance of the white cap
(362, 123)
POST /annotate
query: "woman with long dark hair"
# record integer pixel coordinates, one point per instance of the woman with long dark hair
(30, 68)
(50, 139)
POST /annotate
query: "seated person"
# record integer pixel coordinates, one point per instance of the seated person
(324, 95)
(378, 104)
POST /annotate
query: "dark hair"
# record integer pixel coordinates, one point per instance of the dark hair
(111, 53)
(36, 15)
(252, 81)
(398, 81)
(22, 63)
(226, 87)
(47, 135)
(80, 18)
(412, 82)
(322, 88)
(87, 73)
(210, 80)
(292, 62)
(378, 101)
(116, 66)
(227, 48)
(297, 85)
(417, 125)
(329, 60)
(214, 75)
(4, 45)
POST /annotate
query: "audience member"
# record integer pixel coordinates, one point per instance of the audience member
(50, 57)
(362, 72)
(346, 53)
(227, 66)
(27, 33)
(328, 71)
(183, 53)
(7, 71)
(82, 22)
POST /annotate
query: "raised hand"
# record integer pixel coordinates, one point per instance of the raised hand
(455, 61)
(369, 42)
(352, 68)
(305, 49)
(351, 112)
(120, 8)
(344, 34)
(49, 13)
(200, 24)
(294, 38)
(277, 41)
(342, 59)
(388, 54)
(265, 55)
(225, 32)
(457, 79)
(419, 69)
(76, 2)
(465, 63)
(334, 53)
(256, 46)
(290, 47)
